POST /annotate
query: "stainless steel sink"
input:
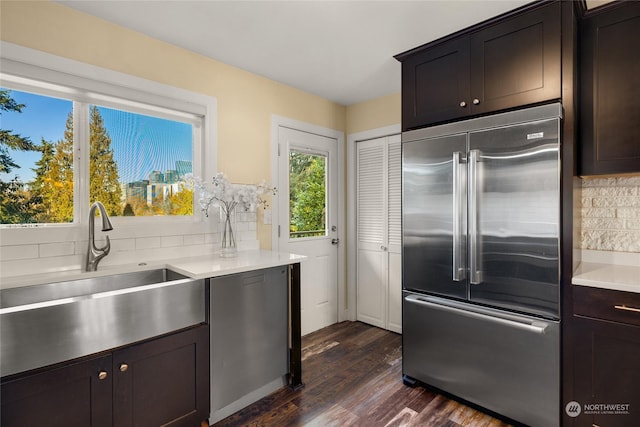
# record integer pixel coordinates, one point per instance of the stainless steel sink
(48, 293)
(46, 324)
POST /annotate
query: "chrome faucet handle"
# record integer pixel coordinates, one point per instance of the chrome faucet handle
(105, 249)
(95, 253)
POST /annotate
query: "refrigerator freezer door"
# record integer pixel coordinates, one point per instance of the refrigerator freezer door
(434, 215)
(514, 228)
(507, 363)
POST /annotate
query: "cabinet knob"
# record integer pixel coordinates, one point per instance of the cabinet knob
(123, 367)
(102, 375)
(476, 101)
(463, 104)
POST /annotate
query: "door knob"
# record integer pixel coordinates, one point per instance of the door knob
(335, 241)
(383, 248)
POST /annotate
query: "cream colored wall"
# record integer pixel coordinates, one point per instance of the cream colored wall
(374, 114)
(245, 101)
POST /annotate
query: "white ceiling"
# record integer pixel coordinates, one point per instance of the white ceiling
(340, 50)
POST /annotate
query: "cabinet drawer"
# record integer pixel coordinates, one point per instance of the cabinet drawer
(606, 304)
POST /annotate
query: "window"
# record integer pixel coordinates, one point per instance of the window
(307, 195)
(62, 148)
(36, 169)
(138, 163)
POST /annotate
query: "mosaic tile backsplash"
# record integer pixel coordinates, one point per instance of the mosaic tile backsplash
(611, 214)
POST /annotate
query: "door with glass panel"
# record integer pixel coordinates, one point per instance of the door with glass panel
(307, 220)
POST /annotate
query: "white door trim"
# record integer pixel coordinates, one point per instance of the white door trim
(280, 121)
(352, 139)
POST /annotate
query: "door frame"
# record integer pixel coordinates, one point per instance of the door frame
(276, 123)
(352, 209)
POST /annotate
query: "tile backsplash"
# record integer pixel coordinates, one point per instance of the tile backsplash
(611, 214)
(25, 256)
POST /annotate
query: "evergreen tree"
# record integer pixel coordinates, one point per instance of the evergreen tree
(15, 199)
(8, 139)
(40, 186)
(54, 178)
(16, 204)
(128, 210)
(104, 185)
(62, 181)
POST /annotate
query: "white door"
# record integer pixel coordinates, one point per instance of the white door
(394, 233)
(379, 276)
(308, 220)
(371, 285)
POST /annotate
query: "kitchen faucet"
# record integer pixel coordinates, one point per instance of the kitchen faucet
(94, 253)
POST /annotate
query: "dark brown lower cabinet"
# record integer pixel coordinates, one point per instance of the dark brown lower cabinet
(163, 381)
(74, 395)
(606, 373)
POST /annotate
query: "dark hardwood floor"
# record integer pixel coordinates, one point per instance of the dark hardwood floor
(352, 376)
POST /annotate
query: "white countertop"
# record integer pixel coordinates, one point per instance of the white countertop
(608, 276)
(200, 267)
(213, 266)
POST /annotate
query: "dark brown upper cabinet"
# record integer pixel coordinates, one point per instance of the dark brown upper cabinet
(610, 90)
(508, 62)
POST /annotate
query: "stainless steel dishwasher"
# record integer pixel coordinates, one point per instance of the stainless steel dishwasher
(249, 337)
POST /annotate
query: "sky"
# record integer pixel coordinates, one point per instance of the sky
(140, 143)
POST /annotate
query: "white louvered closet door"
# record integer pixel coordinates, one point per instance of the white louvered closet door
(394, 233)
(379, 287)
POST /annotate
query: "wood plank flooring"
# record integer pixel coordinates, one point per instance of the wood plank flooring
(352, 376)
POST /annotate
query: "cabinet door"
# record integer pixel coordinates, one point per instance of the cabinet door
(435, 84)
(516, 62)
(606, 373)
(609, 90)
(70, 396)
(164, 381)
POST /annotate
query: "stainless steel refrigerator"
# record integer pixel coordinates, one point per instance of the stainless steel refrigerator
(481, 266)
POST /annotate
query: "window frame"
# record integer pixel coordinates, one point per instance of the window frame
(37, 72)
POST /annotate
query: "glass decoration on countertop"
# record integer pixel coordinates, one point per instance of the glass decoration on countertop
(228, 196)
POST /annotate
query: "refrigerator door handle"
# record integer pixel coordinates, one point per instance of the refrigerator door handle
(475, 273)
(510, 320)
(458, 269)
